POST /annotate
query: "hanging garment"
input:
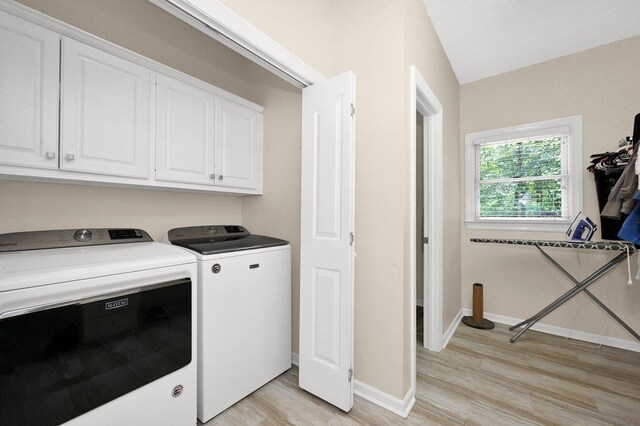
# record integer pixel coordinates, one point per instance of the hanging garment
(609, 227)
(630, 230)
(621, 197)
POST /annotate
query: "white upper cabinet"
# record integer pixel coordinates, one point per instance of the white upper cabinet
(185, 138)
(75, 108)
(29, 76)
(106, 108)
(238, 146)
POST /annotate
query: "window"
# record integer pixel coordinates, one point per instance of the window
(525, 177)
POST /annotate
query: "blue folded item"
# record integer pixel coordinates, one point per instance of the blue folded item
(630, 230)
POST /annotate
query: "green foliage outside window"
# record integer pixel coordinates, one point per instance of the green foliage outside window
(521, 179)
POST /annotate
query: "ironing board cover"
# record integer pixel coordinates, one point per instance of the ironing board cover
(589, 245)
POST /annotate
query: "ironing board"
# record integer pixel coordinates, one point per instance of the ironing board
(624, 247)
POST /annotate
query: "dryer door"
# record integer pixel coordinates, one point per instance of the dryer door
(64, 358)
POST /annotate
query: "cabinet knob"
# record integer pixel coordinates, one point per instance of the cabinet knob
(69, 157)
(213, 176)
(50, 155)
(220, 177)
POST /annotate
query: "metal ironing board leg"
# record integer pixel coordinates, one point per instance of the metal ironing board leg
(569, 293)
(588, 293)
(567, 296)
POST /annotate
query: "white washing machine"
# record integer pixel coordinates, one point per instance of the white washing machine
(244, 312)
(97, 327)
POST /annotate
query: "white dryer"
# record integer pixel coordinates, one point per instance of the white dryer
(244, 312)
(97, 327)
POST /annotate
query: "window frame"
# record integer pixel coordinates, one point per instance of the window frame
(574, 172)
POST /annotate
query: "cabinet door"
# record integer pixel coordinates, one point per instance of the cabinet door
(106, 107)
(185, 118)
(29, 76)
(238, 146)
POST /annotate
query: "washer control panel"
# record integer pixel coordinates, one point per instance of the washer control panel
(38, 240)
(207, 233)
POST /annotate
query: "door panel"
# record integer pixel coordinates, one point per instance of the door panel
(184, 133)
(106, 106)
(327, 252)
(326, 311)
(29, 80)
(238, 145)
(328, 171)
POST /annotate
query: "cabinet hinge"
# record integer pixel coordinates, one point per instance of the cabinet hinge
(353, 110)
(352, 238)
(350, 374)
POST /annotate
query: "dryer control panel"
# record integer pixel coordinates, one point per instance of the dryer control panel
(62, 238)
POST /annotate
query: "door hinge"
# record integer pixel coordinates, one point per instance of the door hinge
(352, 238)
(350, 374)
(353, 110)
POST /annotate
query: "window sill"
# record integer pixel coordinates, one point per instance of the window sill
(519, 226)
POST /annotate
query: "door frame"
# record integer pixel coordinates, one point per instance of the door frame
(423, 100)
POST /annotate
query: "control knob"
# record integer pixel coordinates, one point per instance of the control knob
(82, 235)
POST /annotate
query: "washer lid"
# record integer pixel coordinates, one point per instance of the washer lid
(214, 239)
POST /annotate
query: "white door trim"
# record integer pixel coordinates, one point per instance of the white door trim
(423, 100)
(218, 21)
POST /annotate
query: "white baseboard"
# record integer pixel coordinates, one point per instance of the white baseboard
(566, 332)
(371, 394)
(452, 328)
(420, 302)
(388, 402)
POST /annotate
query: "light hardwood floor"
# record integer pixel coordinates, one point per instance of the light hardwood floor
(479, 379)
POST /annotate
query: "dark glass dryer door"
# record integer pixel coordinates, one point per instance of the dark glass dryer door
(60, 361)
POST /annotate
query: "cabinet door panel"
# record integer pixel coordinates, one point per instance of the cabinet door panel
(29, 70)
(106, 109)
(184, 133)
(238, 145)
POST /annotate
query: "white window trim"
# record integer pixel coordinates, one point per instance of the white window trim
(574, 166)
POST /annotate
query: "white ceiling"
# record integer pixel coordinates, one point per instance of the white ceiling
(488, 37)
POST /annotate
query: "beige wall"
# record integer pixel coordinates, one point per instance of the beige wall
(602, 84)
(378, 40)
(423, 49)
(371, 39)
(302, 26)
(367, 39)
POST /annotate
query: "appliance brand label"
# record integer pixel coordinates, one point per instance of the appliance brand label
(177, 391)
(115, 304)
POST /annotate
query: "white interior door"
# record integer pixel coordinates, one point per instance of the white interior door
(327, 250)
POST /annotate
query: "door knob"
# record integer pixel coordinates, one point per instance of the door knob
(69, 157)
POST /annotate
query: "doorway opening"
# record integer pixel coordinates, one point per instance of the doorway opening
(426, 222)
(421, 232)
